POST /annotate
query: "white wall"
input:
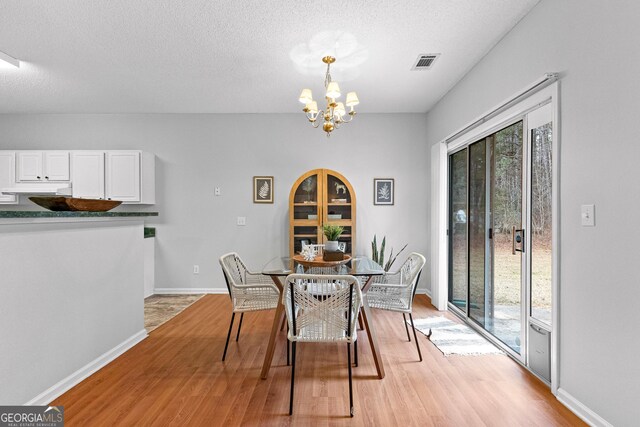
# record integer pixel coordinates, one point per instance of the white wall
(594, 46)
(197, 152)
(63, 306)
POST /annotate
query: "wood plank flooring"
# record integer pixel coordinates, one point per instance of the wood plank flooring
(176, 377)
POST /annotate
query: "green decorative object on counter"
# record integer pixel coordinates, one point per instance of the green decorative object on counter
(378, 255)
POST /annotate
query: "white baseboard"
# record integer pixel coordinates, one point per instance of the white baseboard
(182, 291)
(65, 384)
(426, 292)
(581, 410)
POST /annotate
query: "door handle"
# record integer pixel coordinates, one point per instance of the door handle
(517, 236)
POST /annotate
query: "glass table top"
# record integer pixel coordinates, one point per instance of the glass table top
(358, 266)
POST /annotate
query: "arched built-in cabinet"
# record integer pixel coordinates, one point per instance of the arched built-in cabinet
(321, 196)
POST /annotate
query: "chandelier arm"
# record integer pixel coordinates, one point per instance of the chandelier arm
(351, 116)
(316, 122)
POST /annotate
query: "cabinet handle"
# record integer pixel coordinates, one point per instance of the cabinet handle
(46, 177)
(38, 177)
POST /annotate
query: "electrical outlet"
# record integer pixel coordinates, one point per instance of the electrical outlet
(217, 191)
(242, 220)
(196, 269)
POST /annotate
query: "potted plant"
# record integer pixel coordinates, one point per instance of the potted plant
(378, 255)
(332, 233)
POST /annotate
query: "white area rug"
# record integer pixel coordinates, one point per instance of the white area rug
(454, 338)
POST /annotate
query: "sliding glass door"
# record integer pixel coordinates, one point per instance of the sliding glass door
(506, 189)
(486, 265)
(458, 246)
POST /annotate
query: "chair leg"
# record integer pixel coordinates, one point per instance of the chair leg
(284, 319)
(288, 346)
(415, 337)
(239, 326)
(293, 373)
(406, 327)
(360, 321)
(355, 352)
(233, 316)
(350, 380)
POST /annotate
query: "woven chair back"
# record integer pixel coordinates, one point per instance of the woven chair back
(322, 308)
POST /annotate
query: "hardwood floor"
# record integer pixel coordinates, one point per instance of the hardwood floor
(176, 377)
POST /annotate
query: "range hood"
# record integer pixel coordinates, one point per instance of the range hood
(39, 188)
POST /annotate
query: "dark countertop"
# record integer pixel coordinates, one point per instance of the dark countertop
(71, 214)
(149, 232)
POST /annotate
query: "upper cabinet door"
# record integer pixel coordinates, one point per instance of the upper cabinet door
(7, 176)
(56, 166)
(123, 176)
(87, 174)
(43, 166)
(29, 166)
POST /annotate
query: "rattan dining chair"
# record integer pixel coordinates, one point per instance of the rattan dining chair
(248, 291)
(395, 291)
(321, 308)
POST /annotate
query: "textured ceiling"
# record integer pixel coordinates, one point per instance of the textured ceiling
(242, 56)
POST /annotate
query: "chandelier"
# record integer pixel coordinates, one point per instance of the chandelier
(334, 115)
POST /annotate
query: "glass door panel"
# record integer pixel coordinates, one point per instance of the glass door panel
(541, 191)
(458, 242)
(505, 319)
(479, 286)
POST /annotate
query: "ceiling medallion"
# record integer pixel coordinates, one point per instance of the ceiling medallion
(334, 115)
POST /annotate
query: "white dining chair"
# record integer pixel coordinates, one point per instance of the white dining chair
(321, 308)
(248, 291)
(395, 291)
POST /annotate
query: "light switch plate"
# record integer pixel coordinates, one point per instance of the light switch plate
(588, 216)
(217, 191)
(242, 220)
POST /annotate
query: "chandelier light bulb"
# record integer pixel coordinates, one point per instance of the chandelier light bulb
(339, 111)
(305, 96)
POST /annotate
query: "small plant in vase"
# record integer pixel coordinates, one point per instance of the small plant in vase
(332, 233)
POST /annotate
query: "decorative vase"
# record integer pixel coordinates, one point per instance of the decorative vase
(331, 246)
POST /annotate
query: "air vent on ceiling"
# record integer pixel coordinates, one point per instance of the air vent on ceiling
(425, 61)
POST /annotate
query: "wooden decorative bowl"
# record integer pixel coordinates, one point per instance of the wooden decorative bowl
(60, 203)
(319, 262)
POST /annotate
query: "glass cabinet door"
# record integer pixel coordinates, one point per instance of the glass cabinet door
(320, 197)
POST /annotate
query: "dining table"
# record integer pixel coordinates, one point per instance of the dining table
(365, 269)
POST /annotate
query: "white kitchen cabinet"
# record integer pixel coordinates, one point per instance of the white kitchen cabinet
(130, 176)
(42, 166)
(7, 176)
(87, 174)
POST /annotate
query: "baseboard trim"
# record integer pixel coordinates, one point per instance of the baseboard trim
(581, 410)
(183, 291)
(426, 292)
(90, 368)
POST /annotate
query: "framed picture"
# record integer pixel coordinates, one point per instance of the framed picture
(383, 191)
(262, 189)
